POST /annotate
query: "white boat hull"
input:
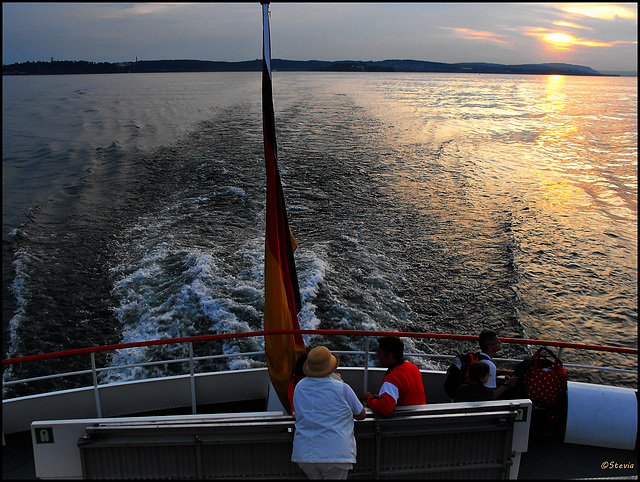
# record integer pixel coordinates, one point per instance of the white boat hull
(596, 415)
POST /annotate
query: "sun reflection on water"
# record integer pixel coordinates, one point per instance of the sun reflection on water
(555, 98)
(575, 151)
(559, 132)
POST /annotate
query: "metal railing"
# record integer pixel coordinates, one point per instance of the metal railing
(94, 371)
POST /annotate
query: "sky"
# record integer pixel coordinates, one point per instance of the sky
(602, 36)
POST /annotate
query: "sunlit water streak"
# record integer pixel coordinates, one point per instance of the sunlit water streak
(133, 207)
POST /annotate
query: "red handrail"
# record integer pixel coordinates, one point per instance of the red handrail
(168, 341)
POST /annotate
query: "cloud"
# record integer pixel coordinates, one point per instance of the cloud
(136, 10)
(601, 11)
(597, 18)
(564, 41)
(561, 23)
(479, 35)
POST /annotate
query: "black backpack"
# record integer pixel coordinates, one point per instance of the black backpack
(458, 371)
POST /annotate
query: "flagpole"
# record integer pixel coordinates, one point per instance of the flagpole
(266, 40)
(281, 290)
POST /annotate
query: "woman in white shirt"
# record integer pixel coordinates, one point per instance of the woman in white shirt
(324, 445)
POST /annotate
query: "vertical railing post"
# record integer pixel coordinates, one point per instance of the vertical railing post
(192, 379)
(365, 383)
(96, 393)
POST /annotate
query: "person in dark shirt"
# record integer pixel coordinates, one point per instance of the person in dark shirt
(475, 391)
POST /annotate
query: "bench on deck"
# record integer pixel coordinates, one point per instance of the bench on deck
(463, 440)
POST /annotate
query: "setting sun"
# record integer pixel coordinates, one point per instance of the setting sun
(563, 41)
(559, 38)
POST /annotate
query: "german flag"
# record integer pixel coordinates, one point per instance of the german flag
(281, 291)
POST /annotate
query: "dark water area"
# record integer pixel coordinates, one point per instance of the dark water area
(133, 209)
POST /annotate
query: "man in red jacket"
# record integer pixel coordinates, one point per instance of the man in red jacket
(402, 384)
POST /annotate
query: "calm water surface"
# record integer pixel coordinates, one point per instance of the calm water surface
(133, 208)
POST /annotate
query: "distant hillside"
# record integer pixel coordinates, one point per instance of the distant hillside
(465, 67)
(151, 66)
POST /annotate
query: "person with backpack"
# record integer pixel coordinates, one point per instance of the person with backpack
(475, 391)
(402, 383)
(457, 373)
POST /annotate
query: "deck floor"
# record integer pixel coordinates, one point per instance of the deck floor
(556, 460)
(17, 457)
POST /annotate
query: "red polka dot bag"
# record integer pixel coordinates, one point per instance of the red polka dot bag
(546, 379)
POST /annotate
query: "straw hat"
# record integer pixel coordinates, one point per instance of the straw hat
(320, 363)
